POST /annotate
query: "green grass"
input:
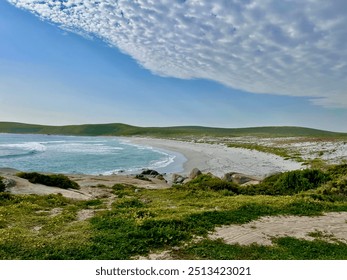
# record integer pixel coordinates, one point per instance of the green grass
(143, 220)
(137, 223)
(118, 129)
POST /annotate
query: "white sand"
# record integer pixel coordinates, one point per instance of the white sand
(219, 159)
(333, 226)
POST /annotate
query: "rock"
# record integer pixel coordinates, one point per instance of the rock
(150, 172)
(254, 182)
(212, 175)
(178, 179)
(143, 177)
(9, 183)
(239, 178)
(186, 180)
(228, 176)
(194, 173)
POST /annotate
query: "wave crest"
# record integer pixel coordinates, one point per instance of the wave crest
(22, 149)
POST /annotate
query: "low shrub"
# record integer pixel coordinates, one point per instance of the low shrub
(2, 185)
(129, 203)
(54, 180)
(288, 183)
(336, 188)
(208, 182)
(337, 171)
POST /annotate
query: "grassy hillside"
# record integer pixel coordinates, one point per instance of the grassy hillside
(118, 129)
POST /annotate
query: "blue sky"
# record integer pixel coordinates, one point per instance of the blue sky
(212, 63)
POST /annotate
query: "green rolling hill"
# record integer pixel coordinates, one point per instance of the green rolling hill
(118, 129)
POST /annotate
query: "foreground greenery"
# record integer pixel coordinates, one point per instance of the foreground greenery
(140, 220)
(119, 129)
(2, 185)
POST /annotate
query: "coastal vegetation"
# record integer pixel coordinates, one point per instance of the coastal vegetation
(118, 129)
(132, 222)
(2, 185)
(282, 152)
(54, 180)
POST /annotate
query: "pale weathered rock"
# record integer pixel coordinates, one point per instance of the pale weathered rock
(194, 173)
(178, 179)
(9, 183)
(239, 178)
(253, 182)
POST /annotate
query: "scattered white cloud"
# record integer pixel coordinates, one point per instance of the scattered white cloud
(287, 47)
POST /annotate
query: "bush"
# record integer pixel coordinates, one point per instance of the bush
(337, 187)
(337, 171)
(54, 180)
(288, 183)
(2, 185)
(207, 182)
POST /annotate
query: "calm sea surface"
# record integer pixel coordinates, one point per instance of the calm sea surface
(87, 155)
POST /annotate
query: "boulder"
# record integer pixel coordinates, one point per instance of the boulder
(194, 173)
(150, 172)
(253, 182)
(239, 178)
(228, 176)
(178, 179)
(9, 183)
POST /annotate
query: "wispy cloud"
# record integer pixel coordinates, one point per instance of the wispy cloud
(289, 47)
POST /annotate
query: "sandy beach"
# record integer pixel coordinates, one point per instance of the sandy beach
(219, 159)
(215, 158)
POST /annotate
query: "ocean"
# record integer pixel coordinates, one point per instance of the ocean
(83, 155)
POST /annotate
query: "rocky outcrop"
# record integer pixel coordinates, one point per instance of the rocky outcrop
(240, 179)
(194, 173)
(178, 179)
(148, 174)
(8, 183)
(181, 179)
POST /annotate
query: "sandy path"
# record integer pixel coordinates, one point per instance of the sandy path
(332, 225)
(219, 159)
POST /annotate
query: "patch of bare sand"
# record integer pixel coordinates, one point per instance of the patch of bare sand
(85, 214)
(333, 226)
(110, 180)
(165, 255)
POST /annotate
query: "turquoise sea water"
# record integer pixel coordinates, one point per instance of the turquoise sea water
(87, 155)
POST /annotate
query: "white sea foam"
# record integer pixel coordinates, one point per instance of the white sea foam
(87, 155)
(91, 148)
(28, 146)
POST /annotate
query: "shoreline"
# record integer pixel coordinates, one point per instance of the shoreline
(219, 159)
